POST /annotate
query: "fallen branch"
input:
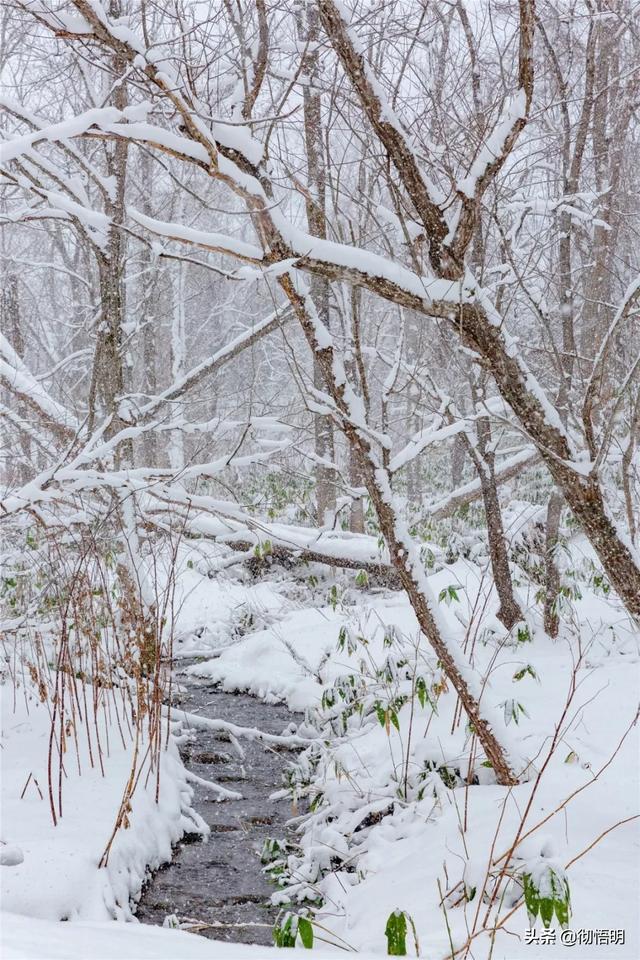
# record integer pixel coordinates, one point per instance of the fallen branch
(222, 792)
(291, 742)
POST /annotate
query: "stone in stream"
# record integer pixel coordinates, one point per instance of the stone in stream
(221, 881)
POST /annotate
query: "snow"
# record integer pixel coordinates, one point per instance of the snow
(149, 133)
(400, 860)
(204, 612)
(56, 132)
(238, 137)
(423, 439)
(398, 872)
(289, 651)
(397, 807)
(23, 938)
(16, 373)
(59, 877)
(493, 148)
(234, 524)
(427, 288)
(218, 241)
(263, 663)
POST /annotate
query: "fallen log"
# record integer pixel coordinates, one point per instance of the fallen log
(378, 574)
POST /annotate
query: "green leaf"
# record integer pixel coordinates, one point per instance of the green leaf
(563, 912)
(449, 594)
(531, 898)
(396, 934)
(546, 911)
(271, 850)
(527, 671)
(306, 933)
(284, 934)
(559, 902)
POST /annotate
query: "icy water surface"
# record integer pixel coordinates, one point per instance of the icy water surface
(221, 881)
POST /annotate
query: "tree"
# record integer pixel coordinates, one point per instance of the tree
(454, 215)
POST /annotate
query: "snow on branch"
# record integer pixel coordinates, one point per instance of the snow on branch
(20, 381)
(215, 242)
(291, 742)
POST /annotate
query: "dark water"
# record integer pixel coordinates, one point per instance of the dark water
(220, 881)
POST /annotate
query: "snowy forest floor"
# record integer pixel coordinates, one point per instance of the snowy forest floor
(390, 811)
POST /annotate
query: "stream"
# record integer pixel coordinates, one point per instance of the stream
(219, 884)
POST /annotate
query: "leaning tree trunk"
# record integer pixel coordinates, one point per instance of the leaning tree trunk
(471, 322)
(583, 494)
(402, 552)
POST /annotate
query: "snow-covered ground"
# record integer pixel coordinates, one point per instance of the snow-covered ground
(59, 877)
(23, 938)
(210, 606)
(394, 827)
(433, 838)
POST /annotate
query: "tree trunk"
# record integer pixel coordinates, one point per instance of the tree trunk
(402, 552)
(356, 513)
(11, 326)
(149, 315)
(457, 461)
(316, 220)
(552, 574)
(107, 380)
(178, 335)
(509, 612)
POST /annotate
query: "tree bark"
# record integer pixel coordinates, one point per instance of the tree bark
(552, 574)
(317, 224)
(509, 612)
